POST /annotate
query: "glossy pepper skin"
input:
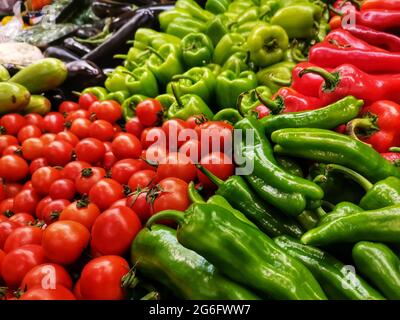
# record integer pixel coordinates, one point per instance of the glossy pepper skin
(157, 254)
(166, 17)
(229, 115)
(226, 242)
(380, 266)
(116, 81)
(342, 209)
(344, 39)
(217, 6)
(130, 104)
(119, 96)
(308, 84)
(267, 44)
(142, 81)
(248, 101)
(195, 9)
(166, 100)
(216, 28)
(380, 4)
(145, 37)
(229, 44)
(373, 225)
(241, 59)
(328, 117)
(331, 147)
(197, 50)
(276, 76)
(330, 273)
(241, 197)
(100, 92)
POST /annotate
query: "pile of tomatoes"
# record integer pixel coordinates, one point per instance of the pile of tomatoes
(77, 186)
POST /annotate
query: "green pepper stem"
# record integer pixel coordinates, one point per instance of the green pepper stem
(194, 195)
(275, 106)
(331, 78)
(176, 96)
(154, 295)
(294, 52)
(120, 56)
(214, 179)
(177, 216)
(152, 50)
(356, 177)
(130, 73)
(280, 82)
(320, 212)
(367, 125)
(394, 149)
(335, 11)
(179, 77)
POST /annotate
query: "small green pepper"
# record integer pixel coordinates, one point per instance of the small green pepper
(145, 37)
(166, 100)
(166, 17)
(116, 81)
(248, 100)
(276, 76)
(290, 166)
(130, 104)
(240, 6)
(142, 81)
(182, 26)
(217, 6)
(245, 28)
(135, 58)
(229, 115)
(195, 10)
(197, 49)
(215, 68)
(100, 92)
(227, 46)
(241, 59)
(342, 209)
(251, 14)
(216, 28)
(119, 96)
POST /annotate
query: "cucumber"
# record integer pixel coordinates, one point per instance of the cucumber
(13, 97)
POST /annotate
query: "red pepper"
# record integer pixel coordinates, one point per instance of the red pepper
(343, 5)
(331, 56)
(380, 126)
(288, 100)
(343, 39)
(393, 157)
(380, 39)
(381, 4)
(349, 80)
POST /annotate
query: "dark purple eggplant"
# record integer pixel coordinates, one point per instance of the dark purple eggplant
(57, 96)
(76, 47)
(110, 8)
(87, 32)
(60, 53)
(83, 74)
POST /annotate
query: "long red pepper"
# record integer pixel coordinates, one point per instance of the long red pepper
(349, 80)
(309, 84)
(343, 39)
(380, 4)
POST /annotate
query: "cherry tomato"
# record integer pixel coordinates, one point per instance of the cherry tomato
(18, 262)
(215, 136)
(6, 207)
(29, 131)
(23, 236)
(47, 276)
(191, 149)
(11, 123)
(32, 148)
(43, 177)
(67, 136)
(35, 119)
(38, 293)
(195, 121)
(12, 188)
(101, 278)
(36, 164)
(134, 126)
(77, 290)
(119, 203)
(139, 204)
(26, 201)
(102, 130)
(64, 241)
(88, 178)
(80, 127)
(78, 114)
(173, 195)
(6, 141)
(53, 122)
(90, 150)
(105, 192)
(6, 228)
(81, 211)
(177, 132)
(13, 168)
(28, 186)
(177, 165)
(108, 110)
(62, 189)
(2, 255)
(39, 208)
(51, 211)
(68, 106)
(142, 179)
(86, 100)
(22, 219)
(73, 169)
(114, 230)
(12, 150)
(149, 112)
(109, 160)
(125, 146)
(217, 163)
(122, 170)
(108, 146)
(153, 137)
(58, 153)
(48, 138)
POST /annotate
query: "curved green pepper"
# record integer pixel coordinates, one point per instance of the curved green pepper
(239, 60)
(166, 17)
(290, 166)
(166, 100)
(119, 96)
(182, 26)
(217, 27)
(100, 92)
(276, 76)
(248, 101)
(195, 10)
(142, 81)
(342, 209)
(130, 104)
(227, 46)
(230, 115)
(217, 6)
(197, 49)
(251, 14)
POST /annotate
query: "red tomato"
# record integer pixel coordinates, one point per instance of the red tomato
(51, 211)
(43, 177)
(29, 131)
(108, 146)
(64, 241)
(105, 192)
(23, 236)
(173, 195)
(142, 179)
(32, 148)
(68, 106)
(73, 169)
(215, 136)
(81, 211)
(3, 218)
(11, 123)
(177, 165)
(38, 293)
(106, 110)
(191, 149)
(125, 146)
(35, 119)
(196, 120)
(80, 127)
(77, 114)
(53, 122)
(47, 276)
(177, 132)
(6, 141)
(36, 164)
(119, 203)
(77, 290)
(102, 130)
(67, 136)
(62, 189)
(139, 204)
(47, 138)
(149, 112)
(22, 219)
(218, 164)
(18, 262)
(6, 228)
(152, 137)
(101, 278)
(58, 153)
(114, 230)
(12, 150)
(88, 178)
(109, 160)
(123, 169)
(28, 186)
(134, 126)
(26, 201)
(42, 203)
(90, 150)
(2, 255)
(6, 207)
(86, 100)
(12, 189)
(13, 168)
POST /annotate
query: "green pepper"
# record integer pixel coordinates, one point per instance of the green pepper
(241, 197)
(4, 75)
(239, 60)
(227, 242)
(229, 115)
(331, 273)
(165, 63)
(374, 225)
(129, 106)
(197, 49)
(100, 92)
(217, 6)
(119, 96)
(227, 46)
(331, 147)
(166, 100)
(240, 6)
(198, 80)
(380, 265)
(248, 100)
(117, 80)
(135, 58)
(276, 76)
(142, 81)
(182, 26)
(145, 37)
(215, 68)
(267, 44)
(230, 84)
(188, 105)
(290, 166)
(216, 28)
(195, 10)
(166, 17)
(251, 14)
(245, 28)
(342, 209)
(158, 255)
(308, 219)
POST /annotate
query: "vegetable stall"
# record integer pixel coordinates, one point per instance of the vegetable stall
(200, 150)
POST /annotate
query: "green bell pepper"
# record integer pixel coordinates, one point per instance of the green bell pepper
(135, 58)
(166, 100)
(145, 37)
(195, 10)
(166, 17)
(130, 104)
(182, 26)
(227, 46)
(217, 6)
(119, 96)
(276, 76)
(100, 92)
(239, 59)
(116, 81)
(215, 68)
(246, 28)
(142, 81)
(217, 27)
(239, 7)
(251, 14)
(248, 100)
(228, 115)
(197, 50)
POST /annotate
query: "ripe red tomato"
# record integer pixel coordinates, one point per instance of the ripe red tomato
(47, 276)
(149, 112)
(6, 141)
(101, 130)
(139, 204)
(18, 262)
(109, 160)
(88, 178)
(12, 188)
(36, 164)
(12, 150)
(80, 127)
(101, 278)
(43, 177)
(11, 123)
(13, 168)
(215, 136)
(22, 219)
(64, 241)
(77, 114)
(35, 119)
(177, 165)
(68, 106)
(6, 227)
(191, 149)
(196, 120)
(86, 100)
(47, 138)
(119, 203)
(114, 230)
(81, 211)
(105, 192)
(73, 169)
(152, 137)
(67, 136)
(26, 201)
(108, 110)
(53, 122)
(6, 207)
(3, 218)
(90, 150)
(62, 189)
(142, 179)
(122, 170)
(125, 146)
(38, 293)
(39, 208)
(218, 164)
(58, 153)
(23, 236)
(51, 211)
(77, 290)
(173, 195)
(178, 132)
(134, 126)
(29, 131)
(32, 148)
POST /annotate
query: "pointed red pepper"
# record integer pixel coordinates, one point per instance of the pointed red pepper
(343, 39)
(380, 4)
(309, 83)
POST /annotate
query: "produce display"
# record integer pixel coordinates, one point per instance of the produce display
(200, 150)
